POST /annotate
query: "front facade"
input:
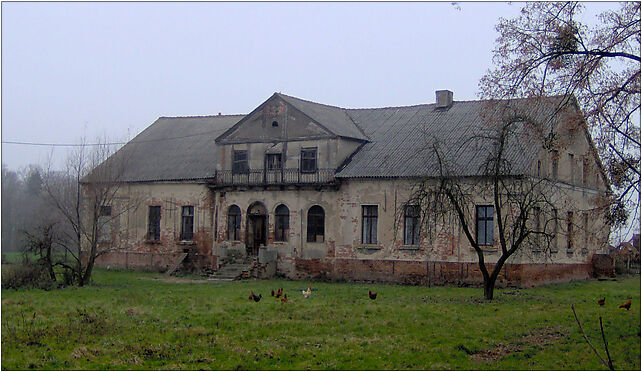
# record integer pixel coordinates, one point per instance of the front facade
(321, 192)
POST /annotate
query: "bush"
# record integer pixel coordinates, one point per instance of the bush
(27, 274)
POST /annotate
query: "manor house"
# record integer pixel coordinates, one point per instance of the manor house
(308, 190)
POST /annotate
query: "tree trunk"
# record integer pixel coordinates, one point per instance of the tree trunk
(489, 288)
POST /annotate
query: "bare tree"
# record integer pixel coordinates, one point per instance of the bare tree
(547, 50)
(492, 189)
(85, 195)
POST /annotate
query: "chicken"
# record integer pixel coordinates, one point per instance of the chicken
(372, 295)
(272, 292)
(285, 298)
(278, 293)
(251, 295)
(626, 305)
(307, 293)
(601, 301)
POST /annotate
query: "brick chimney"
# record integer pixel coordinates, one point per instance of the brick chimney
(444, 99)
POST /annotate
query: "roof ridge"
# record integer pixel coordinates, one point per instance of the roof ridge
(199, 116)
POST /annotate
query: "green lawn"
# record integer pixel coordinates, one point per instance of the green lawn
(126, 320)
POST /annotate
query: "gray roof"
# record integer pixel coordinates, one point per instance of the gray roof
(174, 148)
(333, 118)
(399, 140)
(402, 139)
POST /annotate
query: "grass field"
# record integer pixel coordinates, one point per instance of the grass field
(129, 320)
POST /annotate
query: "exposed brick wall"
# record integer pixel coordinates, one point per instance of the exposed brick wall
(136, 260)
(435, 272)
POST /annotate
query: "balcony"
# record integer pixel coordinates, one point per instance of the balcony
(277, 177)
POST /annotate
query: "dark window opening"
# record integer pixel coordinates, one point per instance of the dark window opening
(485, 229)
(555, 232)
(273, 162)
(316, 224)
(187, 223)
(555, 163)
(233, 223)
(569, 232)
(308, 160)
(153, 227)
(369, 218)
(282, 223)
(275, 123)
(239, 162)
(411, 225)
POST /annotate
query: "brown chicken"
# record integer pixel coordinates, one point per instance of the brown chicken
(626, 305)
(279, 293)
(251, 295)
(285, 298)
(372, 295)
(601, 301)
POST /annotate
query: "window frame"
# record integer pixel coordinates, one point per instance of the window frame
(236, 222)
(281, 223)
(415, 222)
(104, 223)
(318, 226)
(269, 163)
(240, 163)
(369, 221)
(486, 221)
(187, 219)
(153, 223)
(309, 163)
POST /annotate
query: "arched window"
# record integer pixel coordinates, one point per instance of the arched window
(282, 223)
(316, 224)
(233, 223)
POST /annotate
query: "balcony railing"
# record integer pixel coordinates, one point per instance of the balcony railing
(260, 177)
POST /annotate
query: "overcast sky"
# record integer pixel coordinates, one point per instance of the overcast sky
(110, 69)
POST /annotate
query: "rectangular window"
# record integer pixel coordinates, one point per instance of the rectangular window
(485, 229)
(571, 168)
(555, 163)
(369, 224)
(239, 162)
(539, 168)
(153, 226)
(537, 216)
(555, 231)
(309, 160)
(273, 161)
(411, 225)
(187, 223)
(104, 223)
(585, 226)
(585, 171)
(569, 232)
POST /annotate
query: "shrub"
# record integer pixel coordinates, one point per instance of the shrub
(27, 274)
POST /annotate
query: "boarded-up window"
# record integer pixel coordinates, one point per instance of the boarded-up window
(369, 216)
(104, 223)
(281, 223)
(239, 162)
(316, 224)
(233, 223)
(309, 160)
(153, 225)
(411, 225)
(187, 223)
(485, 229)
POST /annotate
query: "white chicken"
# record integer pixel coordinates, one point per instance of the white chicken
(307, 293)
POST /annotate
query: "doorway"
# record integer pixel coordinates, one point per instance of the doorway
(256, 228)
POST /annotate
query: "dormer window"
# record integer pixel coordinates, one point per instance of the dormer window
(309, 160)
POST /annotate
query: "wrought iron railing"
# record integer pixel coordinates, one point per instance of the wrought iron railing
(292, 176)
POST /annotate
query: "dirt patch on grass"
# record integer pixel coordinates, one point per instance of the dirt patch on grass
(540, 337)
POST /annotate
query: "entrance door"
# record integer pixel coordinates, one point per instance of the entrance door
(256, 228)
